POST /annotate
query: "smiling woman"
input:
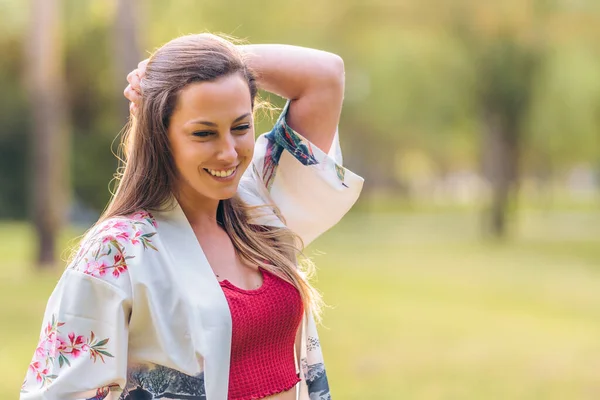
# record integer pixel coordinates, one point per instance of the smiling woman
(212, 138)
(189, 286)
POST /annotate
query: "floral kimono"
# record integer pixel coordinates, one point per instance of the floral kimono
(139, 313)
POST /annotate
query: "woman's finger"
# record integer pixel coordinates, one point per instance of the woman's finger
(126, 92)
(135, 82)
(142, 67)
(131, 94)
(133, 108)
(131, 75)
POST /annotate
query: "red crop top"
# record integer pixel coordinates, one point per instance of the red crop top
(265, 322)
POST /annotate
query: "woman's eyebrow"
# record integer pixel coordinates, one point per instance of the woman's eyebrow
(212, 124)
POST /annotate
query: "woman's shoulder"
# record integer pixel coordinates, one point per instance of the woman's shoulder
(126, 232)
(114, 244)
(132, 227)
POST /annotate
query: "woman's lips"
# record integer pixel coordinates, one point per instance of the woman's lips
(232, 172)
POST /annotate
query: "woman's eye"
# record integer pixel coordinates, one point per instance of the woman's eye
(202, 133)
(244, 127)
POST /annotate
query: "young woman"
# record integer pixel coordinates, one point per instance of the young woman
(188, 287)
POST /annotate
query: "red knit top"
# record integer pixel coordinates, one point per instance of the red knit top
(265, 322)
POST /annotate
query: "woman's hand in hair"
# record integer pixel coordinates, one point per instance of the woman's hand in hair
(133, 91)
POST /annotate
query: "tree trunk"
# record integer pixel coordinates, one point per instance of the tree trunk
(127, 49)
(500, 167)
(51, 141)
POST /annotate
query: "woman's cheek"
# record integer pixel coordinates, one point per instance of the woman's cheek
(249, 145)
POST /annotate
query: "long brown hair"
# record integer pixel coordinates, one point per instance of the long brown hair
(147, 175)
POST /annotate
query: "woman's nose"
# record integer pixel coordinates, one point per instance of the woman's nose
(227, 150)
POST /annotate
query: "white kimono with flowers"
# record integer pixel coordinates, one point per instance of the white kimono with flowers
(139, 314)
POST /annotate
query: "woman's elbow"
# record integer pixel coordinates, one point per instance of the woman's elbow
(325, 77)
(335, 70)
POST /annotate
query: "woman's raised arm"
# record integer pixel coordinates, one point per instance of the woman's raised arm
(312, 79)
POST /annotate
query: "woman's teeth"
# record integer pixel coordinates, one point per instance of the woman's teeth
(222, 173)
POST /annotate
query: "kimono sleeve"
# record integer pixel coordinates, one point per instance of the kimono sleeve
(82, 349)
(311, 188)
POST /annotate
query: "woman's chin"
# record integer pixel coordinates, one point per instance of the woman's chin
(226, 194)
(196, 194)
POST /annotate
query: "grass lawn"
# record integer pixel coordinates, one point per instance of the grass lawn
(421, 307)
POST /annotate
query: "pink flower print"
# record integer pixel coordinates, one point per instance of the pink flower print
(60, 344)
(34, 366)
(140, 215)
(40, 351)
(76, 344)
(135, 239)
(118, 271)
(75, 340)
(123, 236)
(108, 238)
(54, 348)
(52, 328)
(51, 347)
(119, 266)
(106, 252)
(119, 225)
(144, 215)
(48, 330)
(40, 375)
(93, 267)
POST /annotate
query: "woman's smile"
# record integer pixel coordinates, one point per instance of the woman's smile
(222, 175)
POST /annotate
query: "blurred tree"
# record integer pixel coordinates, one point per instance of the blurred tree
(51, 145)
(127, 50)
(14, 129)
(506, 69)
(413, 85)
(94, 99)
(506, 54)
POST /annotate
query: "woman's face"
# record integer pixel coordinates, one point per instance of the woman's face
(211, 133)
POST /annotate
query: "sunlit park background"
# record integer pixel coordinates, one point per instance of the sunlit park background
(469, 269)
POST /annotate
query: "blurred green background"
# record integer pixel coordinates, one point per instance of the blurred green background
(469, 269)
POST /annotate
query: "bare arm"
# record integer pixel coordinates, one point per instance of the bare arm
(312, 79)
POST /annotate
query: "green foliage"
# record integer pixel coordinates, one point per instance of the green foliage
(94, 98)
(506, 69)
(564, 121)
(414, 84)
(14, 128)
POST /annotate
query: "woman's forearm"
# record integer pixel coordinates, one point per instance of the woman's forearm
(291, 71)
(312, 79)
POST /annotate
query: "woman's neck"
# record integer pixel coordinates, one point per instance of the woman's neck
(201, 213)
